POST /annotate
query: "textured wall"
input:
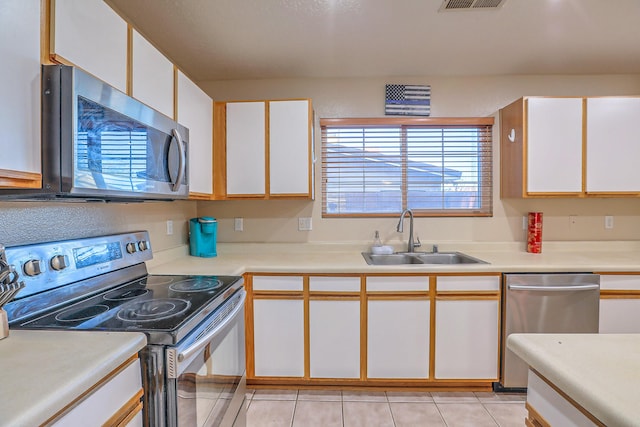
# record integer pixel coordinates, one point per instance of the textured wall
(29, 222)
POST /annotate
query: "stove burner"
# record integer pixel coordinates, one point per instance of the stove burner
(84, 313)
(146, 311)
(125, 294)
(196, 285)
(158, 280)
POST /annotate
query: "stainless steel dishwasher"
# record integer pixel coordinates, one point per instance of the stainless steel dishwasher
(545, 303)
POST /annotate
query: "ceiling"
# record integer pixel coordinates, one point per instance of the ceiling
(260, 39)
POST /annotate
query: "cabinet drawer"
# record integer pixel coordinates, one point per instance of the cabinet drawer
(277, 283)
(106, 400)
(400, 283)
(468, 283)
(625, 282)
(334, 284)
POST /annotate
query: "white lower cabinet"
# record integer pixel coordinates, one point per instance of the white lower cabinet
(398, 338)
(116, 402)
(278, 337)
(547, 407)
(620, 316)
(619, 304)
(466, 339)
(334, 338)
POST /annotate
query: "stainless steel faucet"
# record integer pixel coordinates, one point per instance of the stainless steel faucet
(411, 245)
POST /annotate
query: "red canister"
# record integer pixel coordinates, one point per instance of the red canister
(534, 234)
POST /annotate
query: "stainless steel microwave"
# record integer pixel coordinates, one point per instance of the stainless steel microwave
(100, 144)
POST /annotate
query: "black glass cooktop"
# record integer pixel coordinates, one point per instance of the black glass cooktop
(153, 304)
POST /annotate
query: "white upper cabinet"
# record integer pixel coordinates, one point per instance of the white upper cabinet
(90, 35)
(554, 145)
(267, 149)
(152, 76)
(289, 147)
(246, 148)
(573, 147)
(20, 89)
(613, 144)
(195, 111)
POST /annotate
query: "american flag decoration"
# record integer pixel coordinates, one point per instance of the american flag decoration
(407, 100)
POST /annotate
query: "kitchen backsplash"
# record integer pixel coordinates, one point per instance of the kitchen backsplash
(29, 222)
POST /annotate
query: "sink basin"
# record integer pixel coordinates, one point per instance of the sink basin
(405, 258)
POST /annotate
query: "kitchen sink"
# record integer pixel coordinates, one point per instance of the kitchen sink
(406, 258)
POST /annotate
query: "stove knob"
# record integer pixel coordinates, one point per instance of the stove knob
(143, 245)
(59, 262)
(32, 267)
(131, 247)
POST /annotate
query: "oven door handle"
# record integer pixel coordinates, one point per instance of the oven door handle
(206, 338)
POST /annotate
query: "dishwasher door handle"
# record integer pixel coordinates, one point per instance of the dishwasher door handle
(553, 288)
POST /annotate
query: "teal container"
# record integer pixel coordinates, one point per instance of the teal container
(203, 235)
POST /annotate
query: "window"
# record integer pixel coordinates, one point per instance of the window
(433, 166)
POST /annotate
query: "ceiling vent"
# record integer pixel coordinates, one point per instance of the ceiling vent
(451, 5)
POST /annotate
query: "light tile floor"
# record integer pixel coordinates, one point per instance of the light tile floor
(329, 408)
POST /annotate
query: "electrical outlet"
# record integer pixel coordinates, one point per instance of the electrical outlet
(238, 224)
(572, 219)
(608, 222)
(169, 227)
(304, 224)
(525, 222)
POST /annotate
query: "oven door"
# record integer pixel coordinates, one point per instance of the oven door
(206, 371)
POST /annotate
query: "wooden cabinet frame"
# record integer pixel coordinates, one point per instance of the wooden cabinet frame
(220, 155)
(364, 296)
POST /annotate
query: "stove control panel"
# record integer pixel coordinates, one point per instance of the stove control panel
(52, 264)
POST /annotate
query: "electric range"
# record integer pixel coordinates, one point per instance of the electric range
(102, 284)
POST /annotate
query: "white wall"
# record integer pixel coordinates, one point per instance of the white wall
(276, 221)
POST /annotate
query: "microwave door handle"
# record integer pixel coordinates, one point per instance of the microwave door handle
(181, 161)
(204, 340)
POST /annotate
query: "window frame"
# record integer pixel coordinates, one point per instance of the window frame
(487, 123)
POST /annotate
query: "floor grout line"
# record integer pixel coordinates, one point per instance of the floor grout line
(438, 405)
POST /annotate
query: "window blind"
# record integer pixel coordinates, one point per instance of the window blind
(435, 167)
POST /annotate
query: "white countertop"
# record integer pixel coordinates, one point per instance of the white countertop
(238, 258)
(601, 372)
(44, 371)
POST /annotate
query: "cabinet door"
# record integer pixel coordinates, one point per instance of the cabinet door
(195, 111)
(90, 35)
(619, 316)
(466, 339)
(278, 337)
(613, 146)
(20, 89)
(105, 400)
(554, 145)
(246, 148)
(289, 147)
(334, 339)
(398, 339)
(152, 76)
